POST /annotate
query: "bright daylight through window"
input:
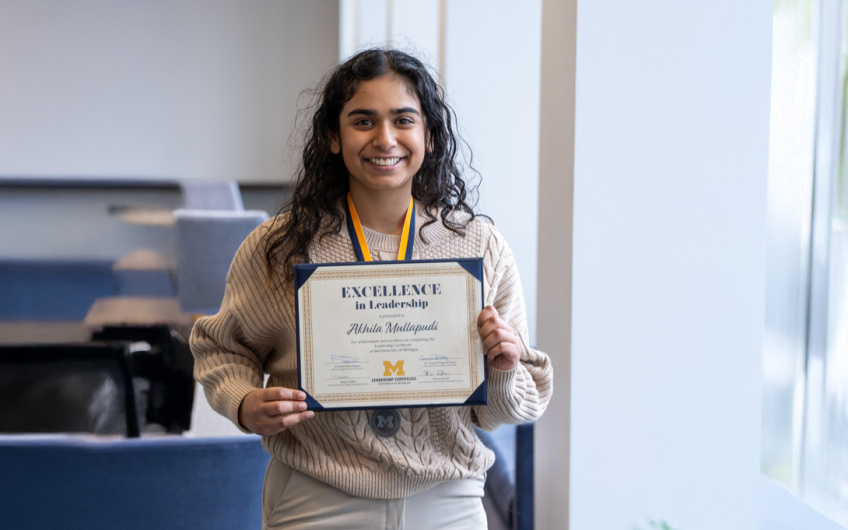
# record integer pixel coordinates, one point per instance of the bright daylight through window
(805, 385)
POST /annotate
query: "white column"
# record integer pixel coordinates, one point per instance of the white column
(556, 203)
(668, 264)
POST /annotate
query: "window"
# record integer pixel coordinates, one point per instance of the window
(805, 385)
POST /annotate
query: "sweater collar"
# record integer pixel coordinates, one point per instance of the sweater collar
(424, 235)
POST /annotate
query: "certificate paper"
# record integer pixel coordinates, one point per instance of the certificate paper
(390, 334)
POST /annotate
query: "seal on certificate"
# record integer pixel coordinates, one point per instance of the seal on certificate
(384, 422)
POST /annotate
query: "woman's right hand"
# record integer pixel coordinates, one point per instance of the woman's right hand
(271, 410)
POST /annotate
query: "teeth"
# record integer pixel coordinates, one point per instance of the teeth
(384, 161)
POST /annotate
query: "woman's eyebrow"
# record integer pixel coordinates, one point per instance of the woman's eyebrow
(372, 112)
(364, 112)
(406, 110)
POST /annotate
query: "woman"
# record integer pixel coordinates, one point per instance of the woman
(381, 133)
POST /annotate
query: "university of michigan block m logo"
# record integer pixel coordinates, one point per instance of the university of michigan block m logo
(385, 422)
(389, 368)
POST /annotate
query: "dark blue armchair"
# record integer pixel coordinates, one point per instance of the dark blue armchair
(509, 483)
(131, 484)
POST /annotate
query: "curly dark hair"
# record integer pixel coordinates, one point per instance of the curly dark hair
(322, 178)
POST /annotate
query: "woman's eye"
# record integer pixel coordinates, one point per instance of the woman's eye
(405, 120)
(363, 123)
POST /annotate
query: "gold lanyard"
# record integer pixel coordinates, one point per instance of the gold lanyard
(357, 236)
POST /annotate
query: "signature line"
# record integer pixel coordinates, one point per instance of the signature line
(344, 359)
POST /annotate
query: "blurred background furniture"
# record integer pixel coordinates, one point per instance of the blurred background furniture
(145, 272)
(195, 195)
(46, 299)
(211, 195)
(139, 484)
(509, 493)
(162, 374)
(133, 301)
(53, 290)
(70, 388)
(207, 240)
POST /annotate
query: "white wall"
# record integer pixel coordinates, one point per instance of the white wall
(164, 89)
(411, 25)
(668, 267)
(493, 83)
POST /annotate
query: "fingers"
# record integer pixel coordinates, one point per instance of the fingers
(281, 408)
(493, 329)
(487, 313)
(277, 424)
(500, 343)
(278, 393)
(504, 355)
(271, 410)
(293, 419)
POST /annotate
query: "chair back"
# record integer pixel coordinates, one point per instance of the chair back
(206, 195)
(207, 241)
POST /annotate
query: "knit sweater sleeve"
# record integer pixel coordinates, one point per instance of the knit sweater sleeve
(519, 395)
(230, 348)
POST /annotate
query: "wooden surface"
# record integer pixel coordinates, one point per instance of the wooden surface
(43, 332)
(138, 311)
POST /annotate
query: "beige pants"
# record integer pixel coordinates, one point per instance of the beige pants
(293, 500)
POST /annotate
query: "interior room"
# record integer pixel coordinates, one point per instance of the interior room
(670, 178)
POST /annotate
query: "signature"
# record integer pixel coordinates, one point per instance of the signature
(433, 358)
(344, 359)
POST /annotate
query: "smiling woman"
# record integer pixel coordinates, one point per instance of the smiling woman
(383, 138)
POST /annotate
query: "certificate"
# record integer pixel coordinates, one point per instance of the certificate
(390, 334)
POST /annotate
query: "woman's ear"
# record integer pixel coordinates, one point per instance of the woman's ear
(335, 146)
(429, 147)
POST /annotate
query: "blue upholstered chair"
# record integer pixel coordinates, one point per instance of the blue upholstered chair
(509, 491)
(53, 290)
(207, 240)
(138, 484)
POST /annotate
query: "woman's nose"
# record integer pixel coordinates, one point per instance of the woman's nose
(384, 137)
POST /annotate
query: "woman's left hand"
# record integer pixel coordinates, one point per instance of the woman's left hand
(499, 341)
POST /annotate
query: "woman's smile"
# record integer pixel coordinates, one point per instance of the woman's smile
(385, 162)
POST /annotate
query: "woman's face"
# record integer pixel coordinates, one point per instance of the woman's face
(382, 138)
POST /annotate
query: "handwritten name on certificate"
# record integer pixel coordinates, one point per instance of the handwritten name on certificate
(390, 334)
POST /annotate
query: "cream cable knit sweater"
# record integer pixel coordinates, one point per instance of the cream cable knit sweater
(254, 332)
